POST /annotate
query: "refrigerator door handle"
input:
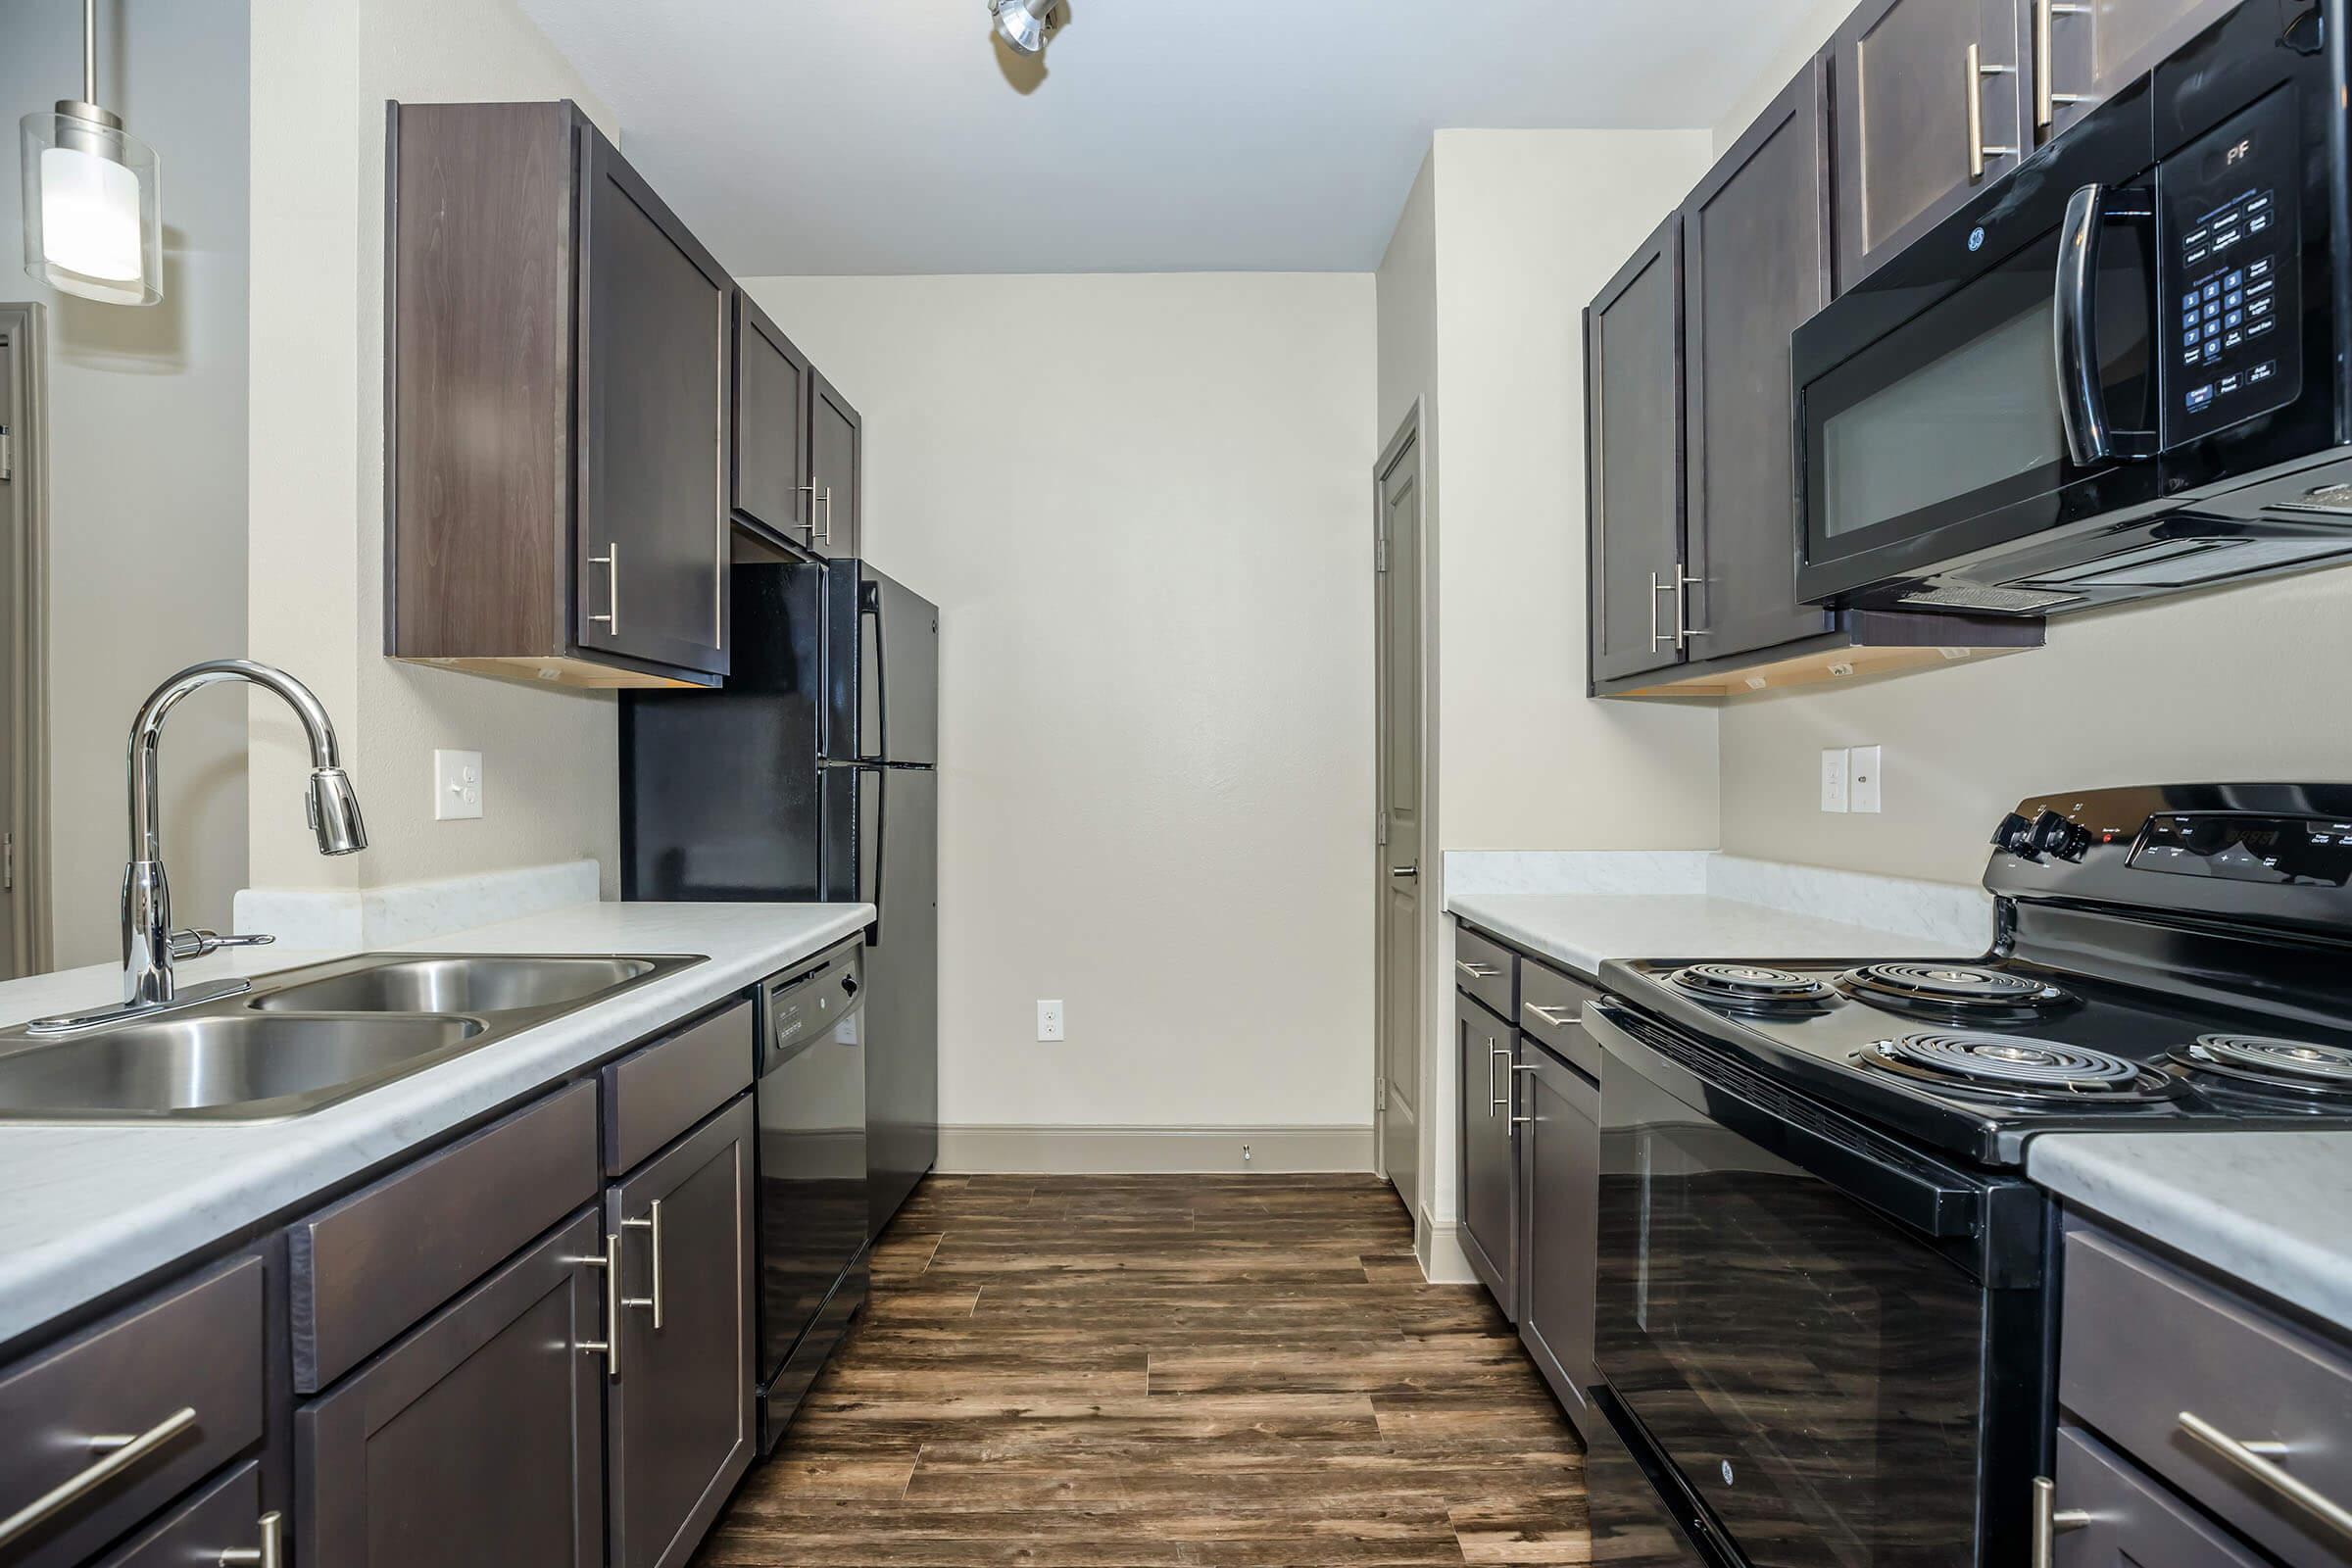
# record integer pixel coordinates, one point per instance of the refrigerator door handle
(871, 605)
(881, 837)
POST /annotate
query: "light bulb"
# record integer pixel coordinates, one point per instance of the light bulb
(89, 215)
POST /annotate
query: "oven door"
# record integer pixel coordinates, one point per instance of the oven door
(1789, 1309)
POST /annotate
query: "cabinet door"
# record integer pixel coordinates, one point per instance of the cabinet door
(1486, 1050)
(654, 393)
(681, 1408)
(1910, 146)
(2086, 50)
(477, 1440)
(1756, 262)
(1560, 1191)
(771, 447)
(836, 453)
(1634, 457)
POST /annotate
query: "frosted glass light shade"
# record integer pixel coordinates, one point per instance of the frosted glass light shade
(93, 220)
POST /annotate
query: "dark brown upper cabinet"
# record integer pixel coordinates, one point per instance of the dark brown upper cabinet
(770, 490)
(836, 469)
(2083, 52)
(558, 407)
(1756, 263)
(1634, 461)
(1933, 103)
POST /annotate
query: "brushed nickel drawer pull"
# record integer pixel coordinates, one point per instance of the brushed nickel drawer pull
(270, 1554)
(1551, 1015)
(122, 1454)
(2049, 1521)
(610, 561)
(1476, 971)
(2260, 1459)
(651, 1223)
(825, 536)
(610, 1345)
(1494, 1102)
(2046, 67)
(1977, 152)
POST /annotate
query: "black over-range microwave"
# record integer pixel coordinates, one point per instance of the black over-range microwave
(2125, 370)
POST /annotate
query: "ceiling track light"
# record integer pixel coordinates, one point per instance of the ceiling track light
(93, 222)
(1023, 24)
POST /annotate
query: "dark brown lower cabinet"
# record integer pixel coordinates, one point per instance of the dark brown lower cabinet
(477, 1440)
(2133, 1522)
(681, 1433)
(1559, 1153)
(222, 1518)
(1486, 1050)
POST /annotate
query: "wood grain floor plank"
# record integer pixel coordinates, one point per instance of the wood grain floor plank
(1165, 1372)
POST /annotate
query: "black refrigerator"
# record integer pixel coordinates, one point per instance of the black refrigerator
(812, 775)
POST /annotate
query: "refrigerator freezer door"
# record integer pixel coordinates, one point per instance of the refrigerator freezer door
(882, 675)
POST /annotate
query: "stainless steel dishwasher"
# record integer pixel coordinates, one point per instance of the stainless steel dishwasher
(812, 1173)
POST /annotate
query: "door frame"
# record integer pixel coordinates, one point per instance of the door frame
(1409, 435)
(26, 329)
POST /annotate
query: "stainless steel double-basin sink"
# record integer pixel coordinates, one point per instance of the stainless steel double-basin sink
(302, 1040)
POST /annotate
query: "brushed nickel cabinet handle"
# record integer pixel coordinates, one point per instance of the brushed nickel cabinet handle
(2260, 1459)
(1551, 1015)
(808, 522)
(1683, 582)
(270, 1554)
(1656, 587)
(122, 1454)
(2049, 1521)
(610, 561)
(1476, 971)
(1494, 1102)
(1977, 152)
(825, 536)
(2046, 68)
(651, 1223)
(1523, 1121)
(610, 1345)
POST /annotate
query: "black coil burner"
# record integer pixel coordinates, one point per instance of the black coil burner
(1753, 987)
(2009, 1065)
(1956, 990)
(2297, 1066)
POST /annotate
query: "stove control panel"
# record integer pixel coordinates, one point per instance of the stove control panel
(2231, 232)
(2292, 851)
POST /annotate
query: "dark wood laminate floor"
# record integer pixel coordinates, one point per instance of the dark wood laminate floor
(1126, 1372)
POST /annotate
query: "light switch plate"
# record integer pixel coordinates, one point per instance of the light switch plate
(1049, 1021)
(1867, 785)
(1834, 762)
(457, 785)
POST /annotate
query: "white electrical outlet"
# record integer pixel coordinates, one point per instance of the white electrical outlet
(457, 785)
(1834, 762)
(1866, 783)
(1049, 1021)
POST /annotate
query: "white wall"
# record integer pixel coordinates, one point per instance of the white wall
(2239, 683)
(146, 447)
(1143, 505)
(321, 76)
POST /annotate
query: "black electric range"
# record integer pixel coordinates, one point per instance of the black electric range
(1825, 1285)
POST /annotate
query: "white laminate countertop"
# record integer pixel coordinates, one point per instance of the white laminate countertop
(1581, 929)
(2272, 1209)
(94, 1207)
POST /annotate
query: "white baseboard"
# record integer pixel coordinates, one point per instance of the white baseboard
(1152, 1151)
(1439, 1247)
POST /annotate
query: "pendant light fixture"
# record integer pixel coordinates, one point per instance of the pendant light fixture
(1023, 24)
(93, 225)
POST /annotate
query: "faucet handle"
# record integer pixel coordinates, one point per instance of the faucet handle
(198, 942)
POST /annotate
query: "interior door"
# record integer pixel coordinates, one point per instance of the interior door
(1634, 460)
(652, 536)
(1756, 262)
(1397, 1024)
(1922, 124)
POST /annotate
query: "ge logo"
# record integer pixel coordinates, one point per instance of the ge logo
(1975, 240)
(1727, 1472)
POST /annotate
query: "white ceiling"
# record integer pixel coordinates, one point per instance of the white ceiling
(851, 136)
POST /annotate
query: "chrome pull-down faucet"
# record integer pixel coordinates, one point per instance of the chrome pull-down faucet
(150, 945)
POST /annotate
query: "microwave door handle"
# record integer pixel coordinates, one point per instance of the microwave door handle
(2081, 400)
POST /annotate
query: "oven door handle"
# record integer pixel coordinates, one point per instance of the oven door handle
(1907, 1187)
(2075, 331)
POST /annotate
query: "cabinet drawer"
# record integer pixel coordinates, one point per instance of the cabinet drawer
(1485, 969)
(224, 1517)
(2142, 1345)
(371, 1266)
(196, 1348)
(653, 1095)
(2134, 1522)
(1551, 1008)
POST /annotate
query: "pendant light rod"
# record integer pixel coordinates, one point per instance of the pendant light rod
(89, 50)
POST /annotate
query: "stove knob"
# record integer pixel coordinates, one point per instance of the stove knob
(2052, 834)
(2015, 835)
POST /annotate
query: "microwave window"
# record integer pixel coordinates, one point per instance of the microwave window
(1985, 411)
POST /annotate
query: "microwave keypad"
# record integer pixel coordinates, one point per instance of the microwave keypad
(2230, 254)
